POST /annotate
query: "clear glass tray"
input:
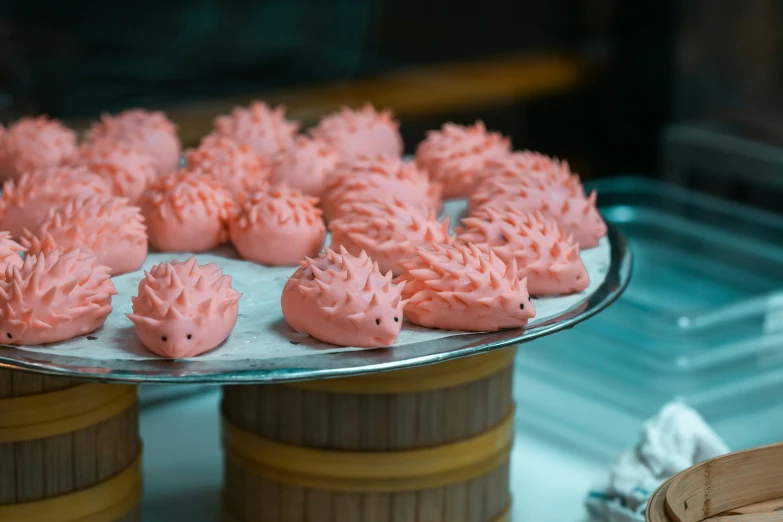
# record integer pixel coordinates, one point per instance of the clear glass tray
(701, 321)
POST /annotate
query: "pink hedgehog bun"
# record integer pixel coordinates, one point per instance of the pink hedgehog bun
(387, 230)
(462, 288)
(530, 166)
(184, 309)
(455, 155)
(10, 253)
(263, 129)
(128, 168)
(566, 204)
(305, 166)
(379, 177)
(110, 228)
(343, 300)
(54, 297)
(364, 132)
(278, 226)
(32, 144)
(579, 217)
(233, 164)
(187, 211)
(543, 254)
(25, 203)
(502, 187)
(151, 132)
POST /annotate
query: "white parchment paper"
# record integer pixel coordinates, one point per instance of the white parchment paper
(261, 332)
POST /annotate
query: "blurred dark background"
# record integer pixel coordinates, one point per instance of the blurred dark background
(686, 90)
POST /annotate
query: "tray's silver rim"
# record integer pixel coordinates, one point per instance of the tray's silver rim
(329, 365)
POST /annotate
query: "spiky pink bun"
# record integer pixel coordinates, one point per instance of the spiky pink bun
(344, 300)
(530, 165)
(278, 226)
(500, 187)
(461, 287)
(32, 144)
(379, 177)
(187, 212)
(387, 230)
(233, 164)
(110, 228)
(24, 203)
(10, 252)
(362, 132)
(152, 132)
(543, 254)
(184, 309)
(456, 155)
(565, 203)
(54, 297)
(264, 129)
(305, 166)
(127, 167)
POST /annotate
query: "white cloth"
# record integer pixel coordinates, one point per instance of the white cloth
(675, 439)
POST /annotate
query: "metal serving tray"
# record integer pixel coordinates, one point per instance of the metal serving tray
(326, 364)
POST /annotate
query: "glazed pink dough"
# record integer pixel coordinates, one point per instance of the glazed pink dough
(379, 177)
(26, 202)
(502, 188)
(543, 254)
(110, 228)
(455, 156)
(387, 230)
(231, 163)
(54, 297)
(184, 309)
(462, 288)
(152, 132)
(187, 212)
(533, 166)
(343, 300)
(305, 166)
(278, 226)
(128, 168)
(363, 132)
(566, 204)
(10, 253)
(32, 144)
(262, 128)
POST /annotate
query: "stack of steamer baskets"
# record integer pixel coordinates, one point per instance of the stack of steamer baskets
(429, 443)
(69, 450)
(356, 402)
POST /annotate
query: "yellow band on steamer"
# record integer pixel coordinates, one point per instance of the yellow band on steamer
(105, 502)
(431, 377)
(63, 411)
(371, 472)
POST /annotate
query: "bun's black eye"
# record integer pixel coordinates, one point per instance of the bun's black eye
(190, 336)
(163, 338)
(396, 319)
(521, 306)
(9, 335)
(378, 322)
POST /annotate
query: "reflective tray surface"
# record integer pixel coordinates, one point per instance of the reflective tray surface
(328, 364)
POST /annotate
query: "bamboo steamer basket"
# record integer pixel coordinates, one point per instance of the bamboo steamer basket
(69, 451)
(429, 444)
(746, 486)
